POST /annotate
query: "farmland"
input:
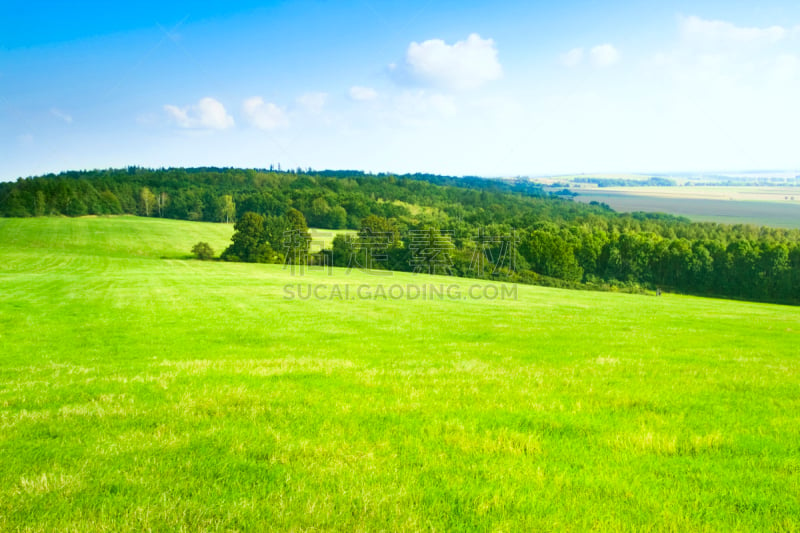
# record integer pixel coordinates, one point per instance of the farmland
(143, 390)
(768, 206)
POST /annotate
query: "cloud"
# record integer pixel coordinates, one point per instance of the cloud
(718, 56)
(460, 66)
(572, 58)
(604, 55)
(313, 102)
(696, 29)
(601, 56)
(61, 115)
(264, 115)
(363, 94)
(208, 113)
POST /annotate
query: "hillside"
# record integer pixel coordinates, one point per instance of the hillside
(140, 389)
(507, 230)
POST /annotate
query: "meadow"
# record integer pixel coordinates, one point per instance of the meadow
(762, 206)
(142, 390)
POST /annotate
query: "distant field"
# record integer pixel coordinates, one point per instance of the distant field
(323, 238)
(143, 391)
(771, 206)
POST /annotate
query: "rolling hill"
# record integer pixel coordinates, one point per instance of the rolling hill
(140, 389)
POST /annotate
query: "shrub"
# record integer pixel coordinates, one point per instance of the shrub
(203, 251)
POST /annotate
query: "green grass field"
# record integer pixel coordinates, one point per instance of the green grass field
(140, 390)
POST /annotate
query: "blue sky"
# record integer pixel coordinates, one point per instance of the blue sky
(498, 89)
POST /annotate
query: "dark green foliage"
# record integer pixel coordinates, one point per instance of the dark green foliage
(109, 203)
(15, 204)
(555, 240)
(76, 207)
(249, 241)
(296, 238)
(431, 251)
(40, 204)
(550, 253)
(296, 220)
(378, 246)
(336, 219)
(203, 251)
(343, 251)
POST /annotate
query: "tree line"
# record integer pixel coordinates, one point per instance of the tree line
(499, 229)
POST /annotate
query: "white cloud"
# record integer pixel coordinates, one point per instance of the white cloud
(61, 115)
(604, 55)
(572, 58)
(264, 115)
(463, 65)
(696, 29)
(601, 56)
(208, 113)
(363, 94)
(714, 55)
(313, 102)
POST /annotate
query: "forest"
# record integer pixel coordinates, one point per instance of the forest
(508, 230)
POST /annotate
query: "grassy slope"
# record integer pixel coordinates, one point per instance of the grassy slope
(142, 392)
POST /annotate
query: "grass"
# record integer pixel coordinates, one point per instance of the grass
(767, 206)
(140, 390)
(323, 238)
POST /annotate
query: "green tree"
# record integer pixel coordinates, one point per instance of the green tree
(15, 206)
(377, 243)
(379, 230)
(248, 242)
(548, 253)
(431, 251)
(77, 207)
(39, 204)
(275, 228)
(147, 200)
(162, 200)
(337, 218)
(343, 251)
(109, 203)
(227, 209)
(319, 213)
(203, 251)
(775, 271)
(297, 238)
(743, 260)
(296, 220)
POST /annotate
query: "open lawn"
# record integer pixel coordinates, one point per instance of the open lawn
(769, 206)
(141, 390)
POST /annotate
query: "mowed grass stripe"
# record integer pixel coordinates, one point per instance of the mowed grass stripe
(140, 390)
